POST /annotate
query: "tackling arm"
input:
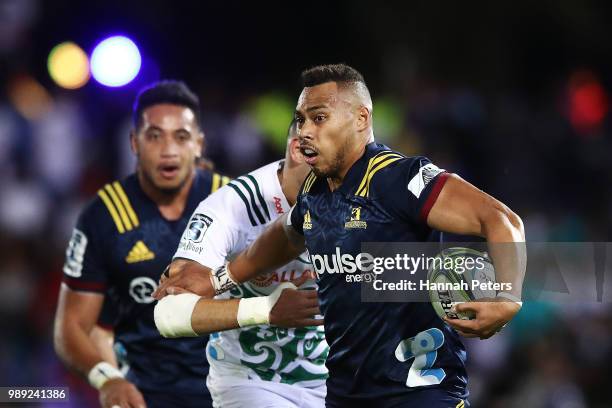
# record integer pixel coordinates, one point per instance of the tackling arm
(275, 247)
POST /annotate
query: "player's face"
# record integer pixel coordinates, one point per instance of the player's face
(167, 145)
(326, 129)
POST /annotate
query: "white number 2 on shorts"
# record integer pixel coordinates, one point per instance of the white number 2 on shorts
(422, 348)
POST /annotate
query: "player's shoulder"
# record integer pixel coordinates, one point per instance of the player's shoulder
(244, 198)
(112, 209)
(251, 192)
(209, 181)
(387, 169)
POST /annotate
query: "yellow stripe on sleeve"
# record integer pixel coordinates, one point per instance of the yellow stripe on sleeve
(225, 180)
(126, 203)
(384, 162)
(119, 206)
(111, 210)
(373, 162)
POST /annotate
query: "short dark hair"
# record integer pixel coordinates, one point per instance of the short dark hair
(167, 91)
(330, 73)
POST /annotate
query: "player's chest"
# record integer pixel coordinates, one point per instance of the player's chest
(137, 258)
(343, 221)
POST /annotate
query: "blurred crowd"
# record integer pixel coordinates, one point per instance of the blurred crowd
(547, 157)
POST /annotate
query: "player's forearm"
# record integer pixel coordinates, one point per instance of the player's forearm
(103, 340)
(75, 347)
(213, 315)
(505, 236)
(272, 249)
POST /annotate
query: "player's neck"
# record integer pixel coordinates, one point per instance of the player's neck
(334, 183)
(170, 204)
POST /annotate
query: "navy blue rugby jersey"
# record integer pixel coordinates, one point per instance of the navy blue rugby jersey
(385, 197)
(120, 247)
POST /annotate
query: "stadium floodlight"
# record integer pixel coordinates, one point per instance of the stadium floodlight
(115, 61)
(68, 65)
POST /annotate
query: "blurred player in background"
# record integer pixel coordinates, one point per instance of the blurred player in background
(275, 356)
(381, 354)
(123, 240)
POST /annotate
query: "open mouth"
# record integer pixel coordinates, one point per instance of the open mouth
(169, 171)
(309, 154)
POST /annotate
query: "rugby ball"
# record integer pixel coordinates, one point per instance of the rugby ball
(458, 275)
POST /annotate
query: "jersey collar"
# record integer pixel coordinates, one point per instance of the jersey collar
(355, 173)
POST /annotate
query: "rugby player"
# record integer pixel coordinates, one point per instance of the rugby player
(265, 361)
(122, 241)
(388, 354)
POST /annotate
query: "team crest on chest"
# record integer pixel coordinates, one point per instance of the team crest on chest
(355, 220)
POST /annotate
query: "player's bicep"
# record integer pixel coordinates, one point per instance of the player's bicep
(77, 308)
(459, 208)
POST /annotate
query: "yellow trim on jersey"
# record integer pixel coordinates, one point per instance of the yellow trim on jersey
(216, 182)
(119, 206)
(309, 182)
(225, 180)
(461, 404)
(375, 164)
(111, 210)
(126, 203)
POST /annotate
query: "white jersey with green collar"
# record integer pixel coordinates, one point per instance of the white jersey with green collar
(222, 226)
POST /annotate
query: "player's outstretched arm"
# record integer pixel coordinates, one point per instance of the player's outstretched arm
(189, 315)
(76, 316)
(463, 209)
(275, 247)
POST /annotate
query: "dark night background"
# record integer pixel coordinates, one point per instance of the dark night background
(513, 96)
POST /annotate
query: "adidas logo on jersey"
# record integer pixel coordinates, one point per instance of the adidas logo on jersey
(307, 221)
(139, 252)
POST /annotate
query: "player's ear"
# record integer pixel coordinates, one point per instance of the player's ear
(293, 151)
(133, 142)
(200, 143)
(364, 118)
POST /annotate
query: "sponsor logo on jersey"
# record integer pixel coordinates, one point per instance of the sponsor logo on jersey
(278, 205)
(75, 253)
(139, 253)
(307, 221)
(355, 220)
(342, 263)
(198, 225)
(141, 289)
(420, 180)
(279, 277)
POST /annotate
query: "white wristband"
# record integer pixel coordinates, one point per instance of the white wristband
(510, 297)
(172, 315)
(221, 279)
(256, 310)
(101, 373)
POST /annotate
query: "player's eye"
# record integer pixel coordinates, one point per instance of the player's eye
(153, 135)
(319, 118)
(299, 120)
(183, 136)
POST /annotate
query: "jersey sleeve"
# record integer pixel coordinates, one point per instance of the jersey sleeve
(295, 219)
(213, 232)
(84, 267)
(413, 187)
